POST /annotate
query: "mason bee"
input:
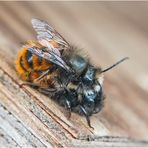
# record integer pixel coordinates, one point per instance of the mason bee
(58, 70)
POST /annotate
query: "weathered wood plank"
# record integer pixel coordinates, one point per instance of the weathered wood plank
(15, 129)
(107, 33)
(6, 140)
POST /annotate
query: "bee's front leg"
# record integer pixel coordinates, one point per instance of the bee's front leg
(86, 116)
(68, 106)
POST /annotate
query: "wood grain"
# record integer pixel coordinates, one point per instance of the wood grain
(107, 31)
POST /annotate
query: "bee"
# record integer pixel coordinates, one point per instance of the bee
(57, 69)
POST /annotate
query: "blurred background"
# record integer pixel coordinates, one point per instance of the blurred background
(107, 32)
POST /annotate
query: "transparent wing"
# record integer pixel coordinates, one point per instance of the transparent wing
(51, 56)
(47, 36)
(46, 32)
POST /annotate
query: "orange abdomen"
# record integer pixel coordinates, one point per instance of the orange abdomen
(29, 66)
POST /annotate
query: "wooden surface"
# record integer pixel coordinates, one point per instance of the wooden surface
(107, 31)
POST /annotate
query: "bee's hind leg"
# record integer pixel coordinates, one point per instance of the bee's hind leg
(47, 91)
(29, 84)
(43, 75)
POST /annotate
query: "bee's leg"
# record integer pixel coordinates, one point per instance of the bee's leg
(86, 116)
(47, 91)
(68, 106)
(29, 83)
(43, 75)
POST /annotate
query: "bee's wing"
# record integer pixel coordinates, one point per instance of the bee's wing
(51, 56)
(46, 32)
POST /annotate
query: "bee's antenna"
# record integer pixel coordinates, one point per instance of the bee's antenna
(114, 64)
